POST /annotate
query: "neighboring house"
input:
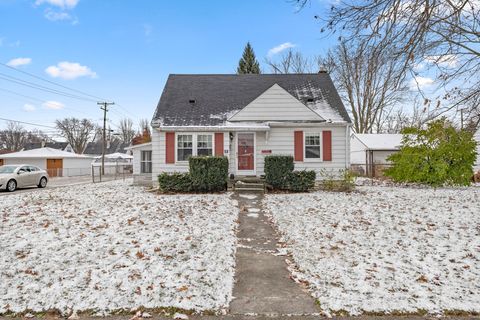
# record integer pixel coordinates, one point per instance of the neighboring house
(64, 146)
(245, 118)
(115, 146)
(369, 152)
(57, 162)
(476, 136)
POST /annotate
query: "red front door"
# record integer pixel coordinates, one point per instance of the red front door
(246, 151)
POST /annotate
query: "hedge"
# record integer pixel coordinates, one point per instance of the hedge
(280, 175)
(175, 182)
(301, 181)
(206, 174)
(277, 170)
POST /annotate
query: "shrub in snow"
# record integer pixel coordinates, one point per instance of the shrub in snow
(175, 182)
(280, 175)
(345, 183)
(437, 155)
(207, 174)
(277, 169)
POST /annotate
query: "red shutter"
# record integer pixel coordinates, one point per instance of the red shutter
(298, 142)
(219, 143)
(327, 145)
(169, 147)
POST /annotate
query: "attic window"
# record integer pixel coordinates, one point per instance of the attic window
(192, 101)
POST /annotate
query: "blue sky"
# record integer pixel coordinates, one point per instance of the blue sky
(124, 50)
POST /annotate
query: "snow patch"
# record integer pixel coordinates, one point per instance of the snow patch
(112, 246)
(384, 249)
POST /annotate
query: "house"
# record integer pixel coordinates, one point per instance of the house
(115, 146)
(245, 118)
(369, 152)
(64, 146)
(57, 162)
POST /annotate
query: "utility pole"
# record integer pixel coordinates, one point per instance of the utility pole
(104, 106)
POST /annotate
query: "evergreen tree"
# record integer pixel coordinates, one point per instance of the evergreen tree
(248, 63)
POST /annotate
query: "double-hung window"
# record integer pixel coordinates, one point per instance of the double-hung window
(146, 162)
(194, 145)
(184, 146)
(204, 145)
(312, 145)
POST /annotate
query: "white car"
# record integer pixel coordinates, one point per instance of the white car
(22, 175)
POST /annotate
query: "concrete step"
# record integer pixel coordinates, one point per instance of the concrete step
(249, 185)
(249, 190)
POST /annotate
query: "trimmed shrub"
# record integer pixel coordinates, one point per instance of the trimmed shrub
(280, 175)
(208, 173)
(301, 181)
(278, 170)
(175, 182)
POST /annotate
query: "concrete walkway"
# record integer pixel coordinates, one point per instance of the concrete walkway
(262, 281)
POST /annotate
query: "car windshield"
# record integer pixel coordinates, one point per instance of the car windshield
(7, 169)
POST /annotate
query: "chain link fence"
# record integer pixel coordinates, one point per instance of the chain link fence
(117, 171)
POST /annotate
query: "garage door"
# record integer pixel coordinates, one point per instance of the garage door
(55, 167)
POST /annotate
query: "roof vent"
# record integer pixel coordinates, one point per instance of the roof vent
(191, 101)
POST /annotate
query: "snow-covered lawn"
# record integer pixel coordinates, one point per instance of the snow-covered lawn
(112, 246)
(385, 249)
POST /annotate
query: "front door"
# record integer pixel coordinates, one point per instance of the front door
(246, 153)
(55, 167)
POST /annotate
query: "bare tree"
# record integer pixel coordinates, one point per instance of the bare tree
(14, 136)
(144, 125)
(126, 130)
(369, 81)
(76, 131)
(293, 62)
(439, 34)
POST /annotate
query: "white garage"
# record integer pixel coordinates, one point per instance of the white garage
(58, 163)
(369, 152)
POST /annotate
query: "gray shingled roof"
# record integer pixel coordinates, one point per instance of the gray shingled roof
(217, 96)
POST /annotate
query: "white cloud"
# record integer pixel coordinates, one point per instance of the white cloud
(448, 60)
(57, 16)
(280, 48)
(421, 83)
(69, 71)
(17, 62)
(54, 105)
(64, 4)
(29, 107)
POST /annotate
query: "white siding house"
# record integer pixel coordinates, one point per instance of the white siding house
(245, 118)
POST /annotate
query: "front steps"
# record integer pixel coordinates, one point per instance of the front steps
(249, 185)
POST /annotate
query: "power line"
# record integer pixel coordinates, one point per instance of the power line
(51, 82)
(59, 85)
(40, 87)
(29, 123)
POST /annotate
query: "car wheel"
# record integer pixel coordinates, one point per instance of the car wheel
(12, 185)
(43, 182)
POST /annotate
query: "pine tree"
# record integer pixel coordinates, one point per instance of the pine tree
(248, 63)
